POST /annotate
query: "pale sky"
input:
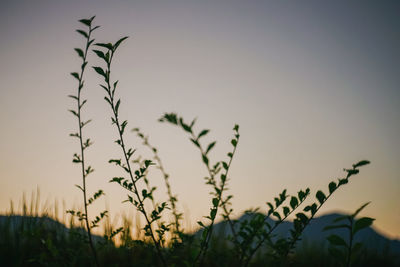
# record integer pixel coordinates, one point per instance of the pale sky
(313, 85)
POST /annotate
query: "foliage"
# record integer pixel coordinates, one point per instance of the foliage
(252, 241)
(349, 250)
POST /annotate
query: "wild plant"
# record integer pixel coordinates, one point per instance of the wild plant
(131, 184)
(177, 233)
(84, 143)
(219, 187)
(349, 251)
(283, 246)
(254, 232)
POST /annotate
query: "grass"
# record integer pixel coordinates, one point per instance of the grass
(35, 240)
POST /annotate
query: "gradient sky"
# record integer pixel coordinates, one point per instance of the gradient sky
(313, 85)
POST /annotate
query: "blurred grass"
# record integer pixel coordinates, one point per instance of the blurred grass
(42, 235)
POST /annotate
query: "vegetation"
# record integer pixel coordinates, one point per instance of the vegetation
(36, 240)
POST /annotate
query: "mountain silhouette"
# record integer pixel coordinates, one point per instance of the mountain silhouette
(314, 234)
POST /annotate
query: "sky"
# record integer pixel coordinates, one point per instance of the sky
(313, 85)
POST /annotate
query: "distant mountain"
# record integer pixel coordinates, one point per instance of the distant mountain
(314, 234)
(14, 223)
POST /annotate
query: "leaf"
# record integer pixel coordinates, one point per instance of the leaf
(361, 163)
(210, 146)
(277, 215)
(301, 195)
(100, 71)
(321, 197)
(94, 28)
(215, 202)
(108, 45)
(87, 22)
(225, 165)
(205, 159)
(286, 211)
(202, 133)
(75, 74)
(80, 52)
(195, 142)
(351, 172)
(336, 240)
(294, 202)
(80, 187)
(119, 42)
(362, 223)
(360, 209)
(213, 213)
(271, 207)
(234, 142)
(313, 209)
(83, 33)
(100, 54)
(332, 187)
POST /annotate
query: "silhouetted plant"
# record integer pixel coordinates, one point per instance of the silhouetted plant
(284, 246)
(349, 250)
(218, 186)
(130, 185)
(177, 234)
(84, 144)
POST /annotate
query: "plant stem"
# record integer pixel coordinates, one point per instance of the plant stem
(82, 148)
(122, 145)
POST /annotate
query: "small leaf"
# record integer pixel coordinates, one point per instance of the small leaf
(202, 133)
(100, 71)
(76, 75)
(108, 45)
(225, 165)
(359, 209)
(80, 52)
(286, 211)
(205, 159)
(293, 202)
(100, 54)
(336, 240)
(83, 33)
(332, 187)
(210, 146)
(195, 142)
(362, 223)
(276, 214)
(213, 213)
(321, 197)
(215, 202)
(234, 142)
(361, 163)
(87, 22)
(119, 42)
